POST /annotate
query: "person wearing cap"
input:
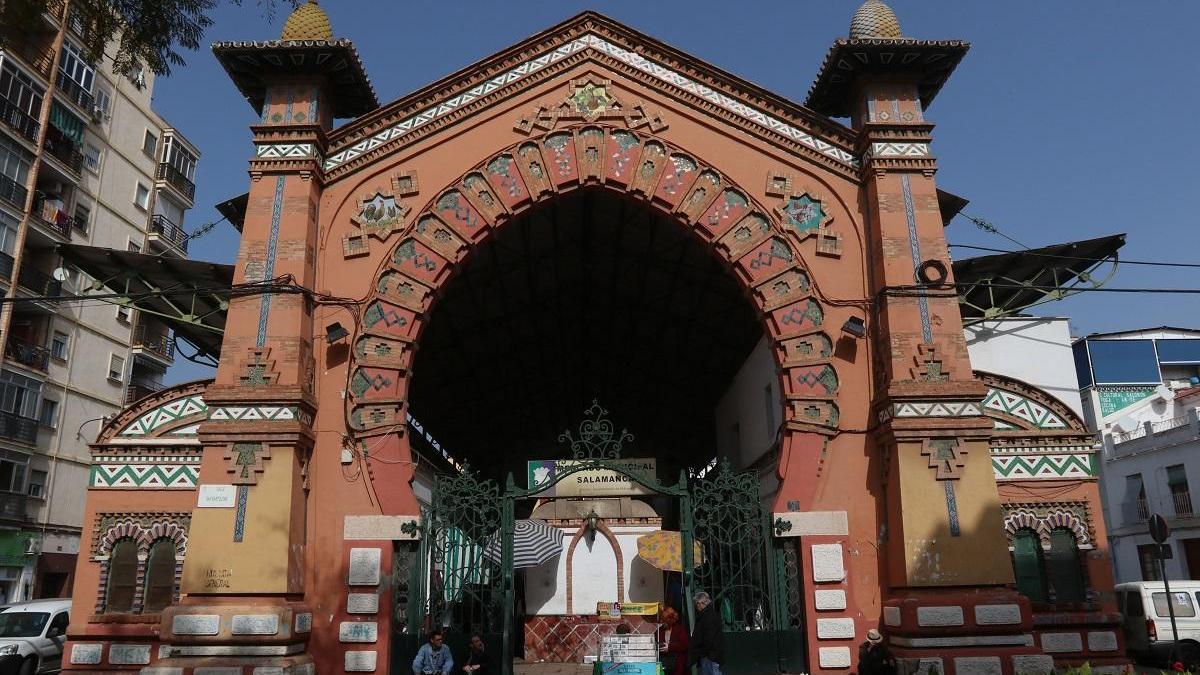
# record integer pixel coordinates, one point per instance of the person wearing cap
(706, 645)
(874, 657)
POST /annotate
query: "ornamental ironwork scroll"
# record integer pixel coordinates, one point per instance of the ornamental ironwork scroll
(465, 591)
(732, 528)
(597, 438)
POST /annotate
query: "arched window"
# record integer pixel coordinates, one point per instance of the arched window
(1063, 569)
(1028, 566)
(160, 576)
(122, 576)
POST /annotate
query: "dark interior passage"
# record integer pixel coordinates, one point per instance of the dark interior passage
(591, 296)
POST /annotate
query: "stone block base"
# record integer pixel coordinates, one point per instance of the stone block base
(986, 631)
(1081, 636)
(290, 665)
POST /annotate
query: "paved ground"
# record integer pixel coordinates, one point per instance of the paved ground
(522, 668)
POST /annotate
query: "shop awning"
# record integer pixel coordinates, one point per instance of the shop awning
(190, 296)
(999, 285)
(66, 122)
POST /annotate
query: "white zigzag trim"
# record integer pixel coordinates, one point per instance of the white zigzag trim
(625, 56)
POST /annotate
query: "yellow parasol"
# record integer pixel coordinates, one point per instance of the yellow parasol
(664, 550)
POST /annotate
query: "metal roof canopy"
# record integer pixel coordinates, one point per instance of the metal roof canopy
(190, 296)
(986, 284)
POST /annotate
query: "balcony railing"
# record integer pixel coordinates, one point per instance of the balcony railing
(18, 428)
(154, 340)
(39, 284)
(1135, 512)
(27, 354)
(1182, 501)
(18, 120)
(12, 192)
(51, 217)
(13, 506)
(75, 91)
(137, 391)
(66, 152)
(39, 56)
(169, 231)
(175, 178)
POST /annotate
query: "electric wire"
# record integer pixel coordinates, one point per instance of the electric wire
(1076, 257)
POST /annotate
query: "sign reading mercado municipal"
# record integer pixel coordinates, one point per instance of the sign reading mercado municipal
(590, 482)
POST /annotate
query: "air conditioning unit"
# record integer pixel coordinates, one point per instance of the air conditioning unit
(97, 114)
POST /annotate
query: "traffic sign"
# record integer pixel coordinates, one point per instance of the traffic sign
(1158, 529)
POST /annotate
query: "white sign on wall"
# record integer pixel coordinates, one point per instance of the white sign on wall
(217, 497)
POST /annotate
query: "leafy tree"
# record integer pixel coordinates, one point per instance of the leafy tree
(149, 33)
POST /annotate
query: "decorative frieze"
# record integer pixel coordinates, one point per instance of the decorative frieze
(632, 58)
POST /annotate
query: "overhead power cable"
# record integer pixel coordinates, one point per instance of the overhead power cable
(1062, 256)
(990, 228)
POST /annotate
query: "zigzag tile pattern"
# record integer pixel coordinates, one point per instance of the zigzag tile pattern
(145, 476)
(1044, 467)
(163, 415)
(1021, 407)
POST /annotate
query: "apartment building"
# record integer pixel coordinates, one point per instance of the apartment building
(83, 160)
(1141, 389)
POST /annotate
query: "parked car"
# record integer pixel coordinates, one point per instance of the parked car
(32, 635)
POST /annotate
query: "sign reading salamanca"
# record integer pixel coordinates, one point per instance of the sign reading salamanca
(590, 482)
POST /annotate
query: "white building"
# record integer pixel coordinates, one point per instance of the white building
(83, 160)
(1140, 390)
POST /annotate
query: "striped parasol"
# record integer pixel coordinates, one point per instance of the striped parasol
(534, 542)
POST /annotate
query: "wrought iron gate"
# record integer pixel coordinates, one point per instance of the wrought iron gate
(465, 587)
(750, 577)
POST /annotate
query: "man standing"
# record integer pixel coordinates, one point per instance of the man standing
(874, 657)
(433, 658)
(708, 637)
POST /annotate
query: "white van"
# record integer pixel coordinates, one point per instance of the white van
(1148, 622)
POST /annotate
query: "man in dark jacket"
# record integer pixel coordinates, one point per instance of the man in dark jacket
(708, 637)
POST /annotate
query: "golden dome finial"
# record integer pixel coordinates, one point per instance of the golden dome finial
(308, 22)
(874, 19)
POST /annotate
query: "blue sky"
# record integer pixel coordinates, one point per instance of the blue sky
(1063, 122)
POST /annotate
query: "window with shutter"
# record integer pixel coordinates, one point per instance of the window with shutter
(122, 577)
(160, 576)
(1028, 566)
(1063, 567)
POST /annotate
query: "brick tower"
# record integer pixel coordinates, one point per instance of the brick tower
(244, 574)
(945, 603)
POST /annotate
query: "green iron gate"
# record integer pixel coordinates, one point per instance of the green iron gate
(752, 577)
(449, 584)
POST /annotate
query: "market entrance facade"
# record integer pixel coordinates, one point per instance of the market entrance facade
(434, 295)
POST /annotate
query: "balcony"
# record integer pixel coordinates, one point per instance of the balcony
(65, 151)
(155, 341)
(13, 506)
(1182, 503)
(13, 192)
(1135, 512)
(74, 92)
(138, 391)
(164, 231)
(49, 214)
(27, 354)
(17, 428)
(38, 283)
(19, 121)
(175, 178)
